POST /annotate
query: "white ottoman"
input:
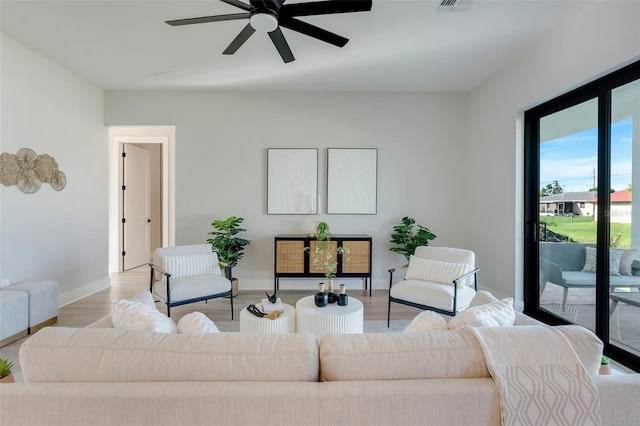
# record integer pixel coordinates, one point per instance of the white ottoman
(329, 319)
(286, 323)
(43, 302)
(14, 315)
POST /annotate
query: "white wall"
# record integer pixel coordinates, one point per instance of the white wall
(221, 142)
(603, 36)
(54, 235)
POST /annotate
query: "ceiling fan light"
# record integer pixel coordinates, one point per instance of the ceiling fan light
(264, 21)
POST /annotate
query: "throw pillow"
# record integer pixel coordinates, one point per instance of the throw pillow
(192, 264)
(129, 315)
(614, 260)
(628, 256)
(482, 297)
(427, 320)
(145, 298)
(196, 323)
(436, 271)
(495, 314)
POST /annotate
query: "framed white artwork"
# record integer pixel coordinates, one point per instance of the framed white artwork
(292, 181)
(352, 175)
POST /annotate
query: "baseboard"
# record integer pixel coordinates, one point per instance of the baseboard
(82, 292)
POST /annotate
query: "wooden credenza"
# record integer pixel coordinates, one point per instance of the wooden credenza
(292, 261)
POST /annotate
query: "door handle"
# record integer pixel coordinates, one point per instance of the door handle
(148, 220)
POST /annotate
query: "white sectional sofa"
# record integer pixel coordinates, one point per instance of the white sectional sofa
(101, 375)
(106, 376)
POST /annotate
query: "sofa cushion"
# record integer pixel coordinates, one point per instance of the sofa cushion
(195, 323)
(401, 356)
(436, 271)
(494, 314)
(425, 321)
(588, 279)
(187, 288)
(426, 355)
(432, 294)
(59, 354)
(129, 315)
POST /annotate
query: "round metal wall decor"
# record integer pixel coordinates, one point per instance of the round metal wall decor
(28, 170)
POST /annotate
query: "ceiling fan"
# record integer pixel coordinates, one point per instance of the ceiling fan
(269, 15)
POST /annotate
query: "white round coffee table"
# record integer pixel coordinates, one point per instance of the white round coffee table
(286, 323)
(329, 319)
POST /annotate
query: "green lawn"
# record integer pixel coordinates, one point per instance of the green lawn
(583, 229)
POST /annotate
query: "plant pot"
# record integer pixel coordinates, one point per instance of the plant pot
(234, 287)
(8, 379)
(605, 369)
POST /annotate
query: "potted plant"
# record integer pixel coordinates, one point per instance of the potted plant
(605, 366)
(6, 376)
(408, 239)
(325, 259)
(226, 243)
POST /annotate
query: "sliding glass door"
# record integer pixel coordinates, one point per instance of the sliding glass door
(581, 248)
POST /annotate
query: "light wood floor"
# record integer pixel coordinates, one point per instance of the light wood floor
(126, 284)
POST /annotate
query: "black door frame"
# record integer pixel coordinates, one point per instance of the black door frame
(599, 89)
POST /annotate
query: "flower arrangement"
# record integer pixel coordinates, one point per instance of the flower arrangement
(322, 254)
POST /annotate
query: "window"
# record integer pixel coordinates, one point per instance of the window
(581, 148)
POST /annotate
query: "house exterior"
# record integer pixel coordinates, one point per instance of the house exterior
(621, 210)
(568, 203)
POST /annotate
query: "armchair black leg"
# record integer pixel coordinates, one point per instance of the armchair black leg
(231, 305)
(388, 312)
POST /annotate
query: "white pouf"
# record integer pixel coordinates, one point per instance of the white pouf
(286, 323)
(43, 302)
(14, 315)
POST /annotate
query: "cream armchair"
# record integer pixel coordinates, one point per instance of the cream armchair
(439, 279)
(188, 274)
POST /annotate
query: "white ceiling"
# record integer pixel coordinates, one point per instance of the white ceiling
(401, 45)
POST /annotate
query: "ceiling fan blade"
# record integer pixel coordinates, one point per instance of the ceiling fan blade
(325, 7)
(313, 31)
(239, 4)
(244, 35)
(203, 19)
(281, 44)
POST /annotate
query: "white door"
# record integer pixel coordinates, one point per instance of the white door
(136, 201)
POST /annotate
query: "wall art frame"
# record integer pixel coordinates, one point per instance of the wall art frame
(352, 180)
(292, 181)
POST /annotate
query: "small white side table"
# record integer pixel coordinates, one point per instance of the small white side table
(286, 323)
(329, 319)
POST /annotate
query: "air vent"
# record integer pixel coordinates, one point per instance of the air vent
(454, 5)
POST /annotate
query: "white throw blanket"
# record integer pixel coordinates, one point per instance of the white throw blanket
(539, 376)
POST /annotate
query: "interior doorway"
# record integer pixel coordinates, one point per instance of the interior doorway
(151, 229)
(141, 203)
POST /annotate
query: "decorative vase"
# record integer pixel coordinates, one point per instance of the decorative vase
(8, 379)
(333, 298)
(343, 299)
(321, 297)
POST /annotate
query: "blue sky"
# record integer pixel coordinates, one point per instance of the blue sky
(571, 159)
